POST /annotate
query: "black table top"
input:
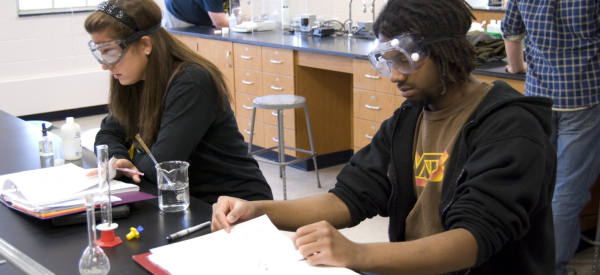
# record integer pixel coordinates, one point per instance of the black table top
(331, 45)
(59, 248)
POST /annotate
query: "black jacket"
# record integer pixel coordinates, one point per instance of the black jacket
(498, 182)
(196, 129)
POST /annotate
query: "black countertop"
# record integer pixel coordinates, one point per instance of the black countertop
(333, 45)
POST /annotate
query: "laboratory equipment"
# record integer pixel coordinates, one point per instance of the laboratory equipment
(71, 140)
(21, 260)
(107, 227)
(256, 25)
(135, 232)
(307, 21)
(93, 260)
(45, 143)
(174, 197)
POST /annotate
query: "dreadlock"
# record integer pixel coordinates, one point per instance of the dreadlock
(455, 57)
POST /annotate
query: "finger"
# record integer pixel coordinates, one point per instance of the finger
(94, 172)
(136, 178)
(221, 208)
(293, 238)
(306, 239)
(235, 213)
(310, 250)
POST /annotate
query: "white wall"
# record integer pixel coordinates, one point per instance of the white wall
(45, 64)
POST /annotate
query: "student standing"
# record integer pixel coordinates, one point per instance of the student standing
(175, 99)
(563, 63)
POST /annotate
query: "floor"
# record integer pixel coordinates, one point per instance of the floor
(301, 184)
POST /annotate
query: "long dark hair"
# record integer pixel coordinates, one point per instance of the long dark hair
(139, 107)
(455, 57)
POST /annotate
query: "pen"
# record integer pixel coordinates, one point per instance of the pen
(130, 171)
(187, 231)
(2, 262)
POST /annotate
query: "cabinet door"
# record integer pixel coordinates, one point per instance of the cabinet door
(189, 41)
(364, 131)
(248, 56)
(367, 78)
(373, 106)
(219, 53)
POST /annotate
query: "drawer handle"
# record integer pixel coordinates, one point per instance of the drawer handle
(246, 57)
(249, 108)
(372, 107)
(247, 82)
(369, 137)
(228, 65)
(277, 88)
(372, 76)
(248, 132)
(276, 62)
(273, 113)
(276, 140)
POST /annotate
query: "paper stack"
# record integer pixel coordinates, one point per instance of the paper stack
(55, 191)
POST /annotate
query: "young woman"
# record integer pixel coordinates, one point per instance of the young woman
(175, 99)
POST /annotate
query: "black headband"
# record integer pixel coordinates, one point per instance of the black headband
(118, 14)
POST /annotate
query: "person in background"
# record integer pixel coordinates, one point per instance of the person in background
(562, 51)
(464, 169)
(185, 13)
(175, 99)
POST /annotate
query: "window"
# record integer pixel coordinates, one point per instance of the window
(34, 7)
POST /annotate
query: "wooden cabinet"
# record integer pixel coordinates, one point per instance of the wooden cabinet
(375, 99)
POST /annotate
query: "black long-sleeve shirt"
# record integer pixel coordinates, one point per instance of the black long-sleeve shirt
(195, 128)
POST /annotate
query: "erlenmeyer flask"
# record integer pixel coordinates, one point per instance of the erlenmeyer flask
(93, 261)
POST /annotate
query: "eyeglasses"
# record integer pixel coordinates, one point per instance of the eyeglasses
(404, 52)
(111, 52)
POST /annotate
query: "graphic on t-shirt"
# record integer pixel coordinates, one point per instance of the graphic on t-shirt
(429, 167)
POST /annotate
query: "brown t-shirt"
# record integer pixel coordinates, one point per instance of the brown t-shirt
(435, 137)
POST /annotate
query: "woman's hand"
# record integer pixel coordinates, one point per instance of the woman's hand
(321, 244)
(120, 163)
(228, 211)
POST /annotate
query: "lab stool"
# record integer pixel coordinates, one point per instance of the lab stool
(280, 103)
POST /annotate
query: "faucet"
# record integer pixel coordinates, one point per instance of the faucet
(373, 10)
(350, 18)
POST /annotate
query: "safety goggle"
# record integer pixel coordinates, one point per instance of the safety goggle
(111, 52)
(403, 52)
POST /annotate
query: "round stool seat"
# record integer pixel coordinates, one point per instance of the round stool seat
(38, 123)
(279, 102)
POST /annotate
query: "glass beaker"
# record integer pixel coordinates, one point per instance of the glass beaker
(173, 186)
(93, 260)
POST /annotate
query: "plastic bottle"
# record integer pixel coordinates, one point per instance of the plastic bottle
(491, 27)
(286, 17)
(71, 140)
(232, 20)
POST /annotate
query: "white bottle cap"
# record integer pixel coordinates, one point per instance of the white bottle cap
(225, 30)
(70, 119)
(217, 32)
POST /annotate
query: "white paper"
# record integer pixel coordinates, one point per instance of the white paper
(252, 247)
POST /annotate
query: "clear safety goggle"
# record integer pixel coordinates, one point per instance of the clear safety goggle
(403, 52)
(111, 52)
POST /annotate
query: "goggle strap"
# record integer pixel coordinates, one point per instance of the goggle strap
(138, 35)
(436, 37)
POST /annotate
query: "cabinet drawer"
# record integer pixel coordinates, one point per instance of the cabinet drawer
(364, 131)
(365, 77)
(243, 106)
(247, 56)
(289, 138)
(289, 118)
(248, 82)
(373, 106)
(278, 61)
(258, 138)
(274, 84)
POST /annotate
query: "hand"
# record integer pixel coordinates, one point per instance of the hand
(120, 163)
(509, 70)
(228, 211)
(321, 244)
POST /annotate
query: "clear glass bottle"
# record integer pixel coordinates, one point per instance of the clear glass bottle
(93, 260)
(45, 143)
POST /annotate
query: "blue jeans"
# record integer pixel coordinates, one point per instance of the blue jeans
(576, 138)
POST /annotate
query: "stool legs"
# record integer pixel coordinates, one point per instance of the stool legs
(312, 147)
(281, 144)
(251, 130)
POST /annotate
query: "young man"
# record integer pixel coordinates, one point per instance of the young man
(184, 13)
(566, 69)
(464, 169)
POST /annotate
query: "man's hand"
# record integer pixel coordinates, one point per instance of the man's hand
(228, 211)
(510, 70)
(120, 163)
(321, 244)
